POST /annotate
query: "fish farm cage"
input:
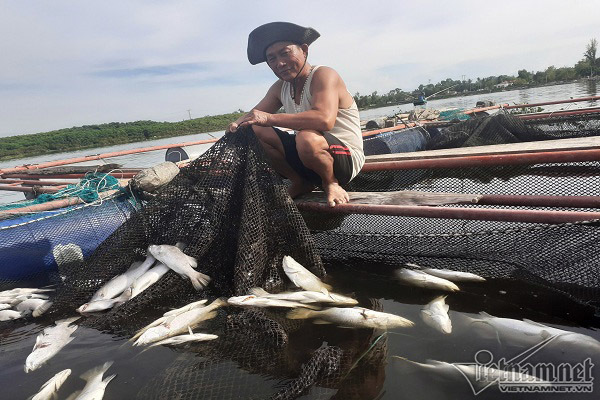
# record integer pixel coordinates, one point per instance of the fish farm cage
(533, 217)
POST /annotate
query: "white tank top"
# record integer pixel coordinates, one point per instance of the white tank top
(347, 121)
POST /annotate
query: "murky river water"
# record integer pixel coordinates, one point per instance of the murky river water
(378, 373)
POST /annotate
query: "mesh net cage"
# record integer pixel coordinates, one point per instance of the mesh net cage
(563, 257)
(506, 128)
(234, 214)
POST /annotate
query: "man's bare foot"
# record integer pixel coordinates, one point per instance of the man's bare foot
(298, 188)
(335, 194)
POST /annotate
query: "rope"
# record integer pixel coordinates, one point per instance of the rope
(87, 189)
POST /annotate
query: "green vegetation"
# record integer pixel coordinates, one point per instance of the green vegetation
(92, 136)
(588, 66)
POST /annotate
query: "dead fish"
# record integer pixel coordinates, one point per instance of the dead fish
(519, 332)
(24, 291)
(148, 279)
(50, 388)
(151, 276)
(173, 325)
(181, 263)
(307, 297)
(187, 307)
(424, 280)
(16, 300)
(251, 300)
(30, 305)
(95, 386)
(303, 278)
(435, 314)
(4, 306)
(7, 315)
(454, 276)
(42, 309)
(105, 304)
(190, 337)
(480, 376)
(355, 317)
(50, 342)
(171, 313)
(120, 283)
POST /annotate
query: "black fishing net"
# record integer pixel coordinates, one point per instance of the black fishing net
(562, 257)
(234, 215)
(506, 128)
(299, 359)
(232, 212)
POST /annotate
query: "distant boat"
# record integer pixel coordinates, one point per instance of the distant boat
(421, 100)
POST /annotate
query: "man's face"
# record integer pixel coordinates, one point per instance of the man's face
(285, 59)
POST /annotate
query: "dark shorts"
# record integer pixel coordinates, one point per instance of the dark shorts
(342, 160)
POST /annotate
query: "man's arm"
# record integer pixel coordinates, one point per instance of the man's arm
(269, 104)
(325, 93)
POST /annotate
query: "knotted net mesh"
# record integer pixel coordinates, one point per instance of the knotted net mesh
(235, 217)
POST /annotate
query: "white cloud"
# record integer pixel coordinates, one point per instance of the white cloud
(68, 63)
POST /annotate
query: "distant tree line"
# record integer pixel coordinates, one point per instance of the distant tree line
(113, 133)
(588, 66)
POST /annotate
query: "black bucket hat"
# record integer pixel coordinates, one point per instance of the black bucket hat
(267, 34)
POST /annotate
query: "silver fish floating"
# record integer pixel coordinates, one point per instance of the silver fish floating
(355, 317)
(190, 337)
(303, 278)
(120, 283)
(454, 276)
(95, 386)
(105, 304)
(50, 342)
(435, 314)
(424, 280)
(307, 297)
(527, 332)
(50, 388)
(251, 300)
(34, 306)
(7, 315)
(173, 325)
(479, 376)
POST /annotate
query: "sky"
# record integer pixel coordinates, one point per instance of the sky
(66, 63)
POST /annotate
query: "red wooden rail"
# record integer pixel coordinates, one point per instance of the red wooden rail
(100, 156)
(487, 160)
(485, 214)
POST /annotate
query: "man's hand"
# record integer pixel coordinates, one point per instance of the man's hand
(255, 117)
(232, 127)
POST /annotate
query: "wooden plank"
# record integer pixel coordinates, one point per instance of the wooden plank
(406, 197)
(526, 147)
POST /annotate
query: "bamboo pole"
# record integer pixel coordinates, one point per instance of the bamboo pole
(118, 175)
(52, 205)
(100, 156)
(28, 189)
(559, 113)
(545, 103)
(36, 182)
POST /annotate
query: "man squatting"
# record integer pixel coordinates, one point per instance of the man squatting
(326, 148)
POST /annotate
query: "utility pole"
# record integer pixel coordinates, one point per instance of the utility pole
(190, 114)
